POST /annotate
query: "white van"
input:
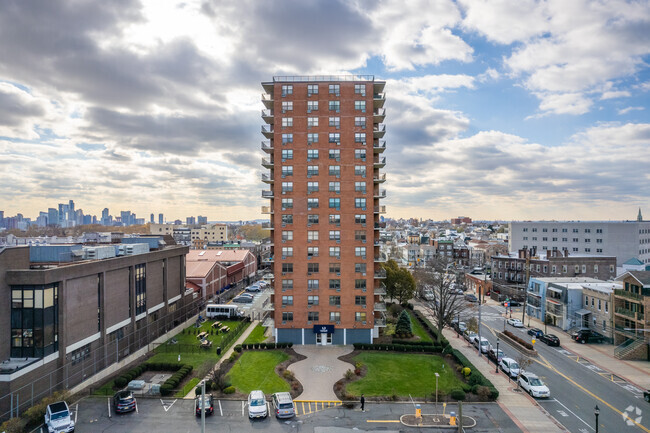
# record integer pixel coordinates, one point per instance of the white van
(509, 366)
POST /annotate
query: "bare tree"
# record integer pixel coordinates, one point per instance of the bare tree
(446, 303)
(524, 362)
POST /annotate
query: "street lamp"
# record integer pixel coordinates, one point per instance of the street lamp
(596, 412)
(496, 363)
(437, 376)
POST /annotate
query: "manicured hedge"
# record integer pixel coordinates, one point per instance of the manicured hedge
(429, 348)
(181, 370)
(263, 346)
(432, 329)
(476, 379)
(524, 343)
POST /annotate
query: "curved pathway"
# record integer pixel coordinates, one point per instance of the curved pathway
(320, 370)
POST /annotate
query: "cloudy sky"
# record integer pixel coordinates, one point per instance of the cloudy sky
(497, 109)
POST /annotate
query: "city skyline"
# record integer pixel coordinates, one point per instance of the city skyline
(499, 111)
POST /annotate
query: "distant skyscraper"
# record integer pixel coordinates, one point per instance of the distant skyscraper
(190, 221)
(52, 216)
(152, 219)
(160, 218)
(126, 217)
(202, 219)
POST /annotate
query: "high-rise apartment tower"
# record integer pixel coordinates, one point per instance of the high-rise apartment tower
(324, 155)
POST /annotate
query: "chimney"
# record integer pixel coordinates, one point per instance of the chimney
(549, 254)
(522, 253)
(566, 252)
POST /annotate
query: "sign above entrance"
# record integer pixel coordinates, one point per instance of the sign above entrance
(323, 329)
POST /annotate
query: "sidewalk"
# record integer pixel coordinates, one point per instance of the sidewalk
(521, 408)
(601, 355)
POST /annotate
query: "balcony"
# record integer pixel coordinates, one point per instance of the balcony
(380, 321)
(379, 306)
(378, 99)
(268, 260)
(267, 209)
(634, 315)
(380, 274)
(267, 146)
(380, 209)
(380, 290)
(267, 131)
(629, 295)
(555, 310)
(267, 116)
(380, 162)
(380, 259)
(379, 131)
(377, 227)
(267, 100)
(379, 115)
(267, 194)
(267, 162)
(267, 178)
(379, 146)
(380, 193)
(380, 178)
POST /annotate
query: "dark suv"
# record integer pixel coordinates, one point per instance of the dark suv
(587, 336)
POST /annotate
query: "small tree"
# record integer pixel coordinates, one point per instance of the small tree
(399, 282)
(524, 362)
(403, 327)
(472, 324)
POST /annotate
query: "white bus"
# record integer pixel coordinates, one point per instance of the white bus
(221, 310)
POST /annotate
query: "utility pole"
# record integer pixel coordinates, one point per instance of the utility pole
(479, 321)
(202, 406)
(523, 313)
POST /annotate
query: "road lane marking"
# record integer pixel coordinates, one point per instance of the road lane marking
(76, 411)
(220, 409)
(242, 408)
(167, 406)
(583, 421)
(383, 420)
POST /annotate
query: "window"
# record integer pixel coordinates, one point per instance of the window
(140, 289)
(525, 238)
(595, 269)
(545, 239)
(287, 187)
(587, 240)
(80, 354)
(599, 241)
(287, 235)
(360, 235)
(545, 230)
(360, 284)
(287, 252)
(592, 301)
(335, 251)
(287, 122)
(584, 269)
(360, 268)
(565, 239)
(312, 284)
(335, 203)
(534, 238)
(360, 154)
(312, 203)
(360, 187)
(565, 269)
(553, 269)
(335, 268)
(335, 300)
(360, 203)
(360, 300)
(312, 219)
(334, 170)
(335, 187)
(287, 89)
(312, 252)
(360, 137)
(312, 106)
(360, 106)
(554, 230)
(534, 230)
(335, 106)
(312, 89)
(287, 106)
(335, 235)
(599, 305)
(287, 267)
(575, 230)
(587, 230)
(599, 250)
(335, 154)
(612, 268)
(312, 300)
(287, 203)
(312, 268)
(287, 154)
(525, 229)
(34, 322)
(575, 239)
(360, 316)
(287, 300)
(335, 89)
(335, 122)
(359, 219)
(287, 284)
(360, 122)
(312, 138)
(360, 251)
(576, 269)
(312, 316)
(586, 301)
(312, 187)
(360, 170)
(312, 154)
(287, 138)
(335, 137)
(287, 219)
(287, 170)
(335, 284)
(574, 249)
(335, 219)
(564, 230)
(335, 316)
(606, 308)
(287, 316)
(312, 170)
(312, 122)
(360, 89)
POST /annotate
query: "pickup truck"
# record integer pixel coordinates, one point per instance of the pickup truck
(587, 336)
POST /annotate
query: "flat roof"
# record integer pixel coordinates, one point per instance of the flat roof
(307, 78)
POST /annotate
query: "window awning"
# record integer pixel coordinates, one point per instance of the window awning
(551, 301)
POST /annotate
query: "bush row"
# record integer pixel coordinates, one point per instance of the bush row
(171, 383)
(476, 380)
(524, 343)
(431, 348)
(415, 343)
(133, 373)
(239, 347)
(432, 329)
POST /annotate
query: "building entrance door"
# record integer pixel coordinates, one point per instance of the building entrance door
(324, 339)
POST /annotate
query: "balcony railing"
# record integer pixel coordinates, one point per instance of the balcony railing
(635, 315)
(380, 321)
(267, 115)
(267, 194)
(267, 178)
(380, 114)
(380, 162)
(267, 146)
(380, 273)
(379, 146)
(630, 295)
(267, 162)
(380, 209)
(379, 130)
(556, 310)
(268, 259)
(380, 259)
(267, 209)
(379, 306)
(267, 130)
(380, 290)
(380, 178)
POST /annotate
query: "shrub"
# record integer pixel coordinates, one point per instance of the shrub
(466, 372)
(287, 375)
(238, 348)
(165, 389)
(229, 390)
(457, 394)
(484, 393)
(403, 326)
(120, 382)
(233, 357)
(349, 374)
(475, 379)
(14, 425)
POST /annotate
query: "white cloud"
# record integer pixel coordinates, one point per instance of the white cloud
(629, 109)
(615, 94)
(564, 103)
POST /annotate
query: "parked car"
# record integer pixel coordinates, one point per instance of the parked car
(283, 405)
(535, 332)
(244, 298)
(58, 418)
(587, 336)
(512, 303)
(532, 384)
(471, 298)
(460, 326)
(550, 339)
(470, 336)
(509, 366)
(646, 395)
(495, 355)
(206, 401)
(254, 288)
(484, 344)
(515, 322)
(257, 405)
(123, 401)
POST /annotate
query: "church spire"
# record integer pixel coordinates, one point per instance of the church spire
(639, 217)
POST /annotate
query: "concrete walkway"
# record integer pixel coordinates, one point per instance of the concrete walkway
(320, 370)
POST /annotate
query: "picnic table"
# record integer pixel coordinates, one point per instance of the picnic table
(206, 343)
(202, 335)
(216, 325)
(225, 329)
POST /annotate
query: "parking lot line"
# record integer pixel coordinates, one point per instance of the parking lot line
(108, 403)
(242, 408)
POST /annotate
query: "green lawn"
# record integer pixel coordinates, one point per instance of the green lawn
(402, 374)
(418, 330)
(256, 370)
(257, 336)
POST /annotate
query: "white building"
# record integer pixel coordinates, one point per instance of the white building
(622, 239)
